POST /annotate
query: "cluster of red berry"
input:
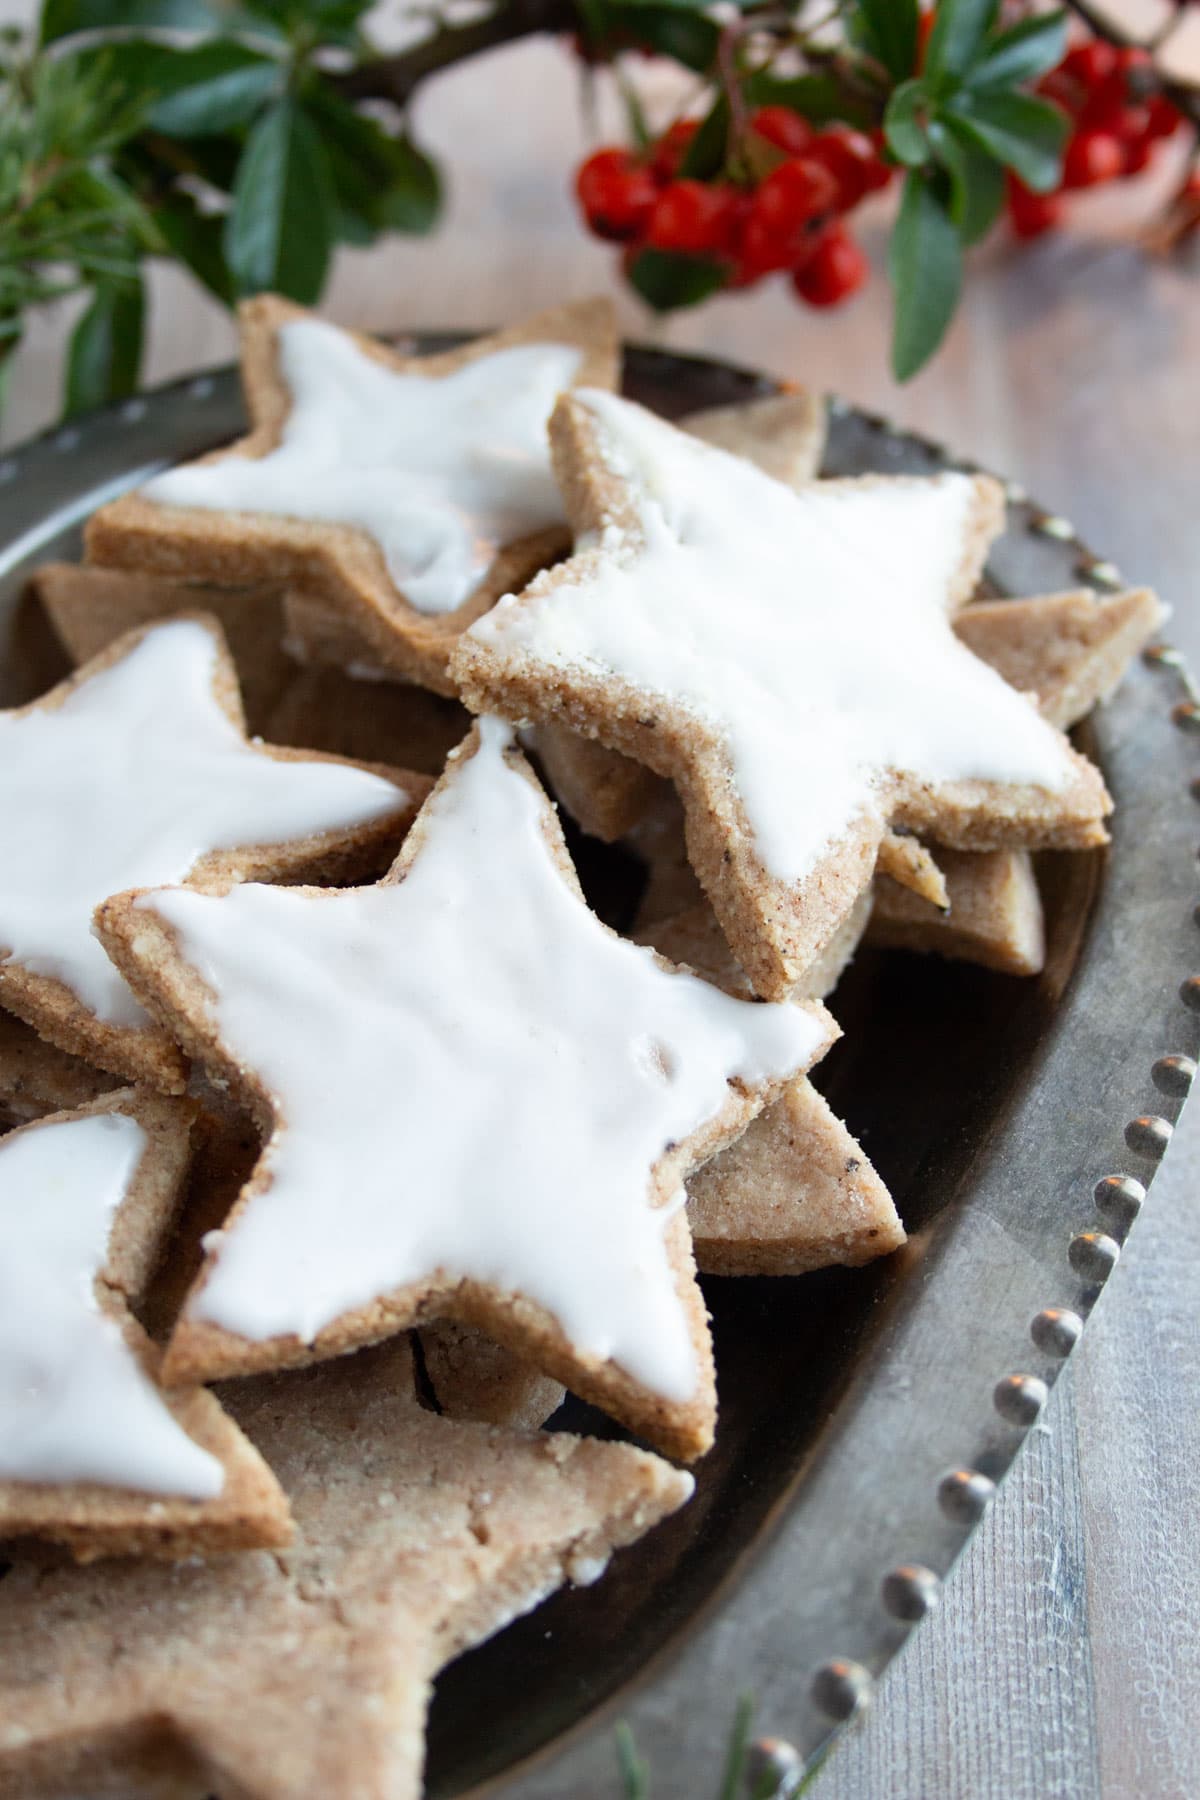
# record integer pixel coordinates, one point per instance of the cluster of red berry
(1118, 120)
(786, 219)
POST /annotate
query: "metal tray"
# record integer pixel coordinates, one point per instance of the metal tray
(866, 1415)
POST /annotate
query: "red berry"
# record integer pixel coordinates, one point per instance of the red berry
(851, 159)
(672, 147)
(1134, 60)
(1032, 214)
(1136, 155)
(757, 250)
(797, 191)
(1091, 63)
(1092, 157)
(693, 217)
(616, 193)
(780, 126)
(1162, 118)
(1132, 124)
(832, 271)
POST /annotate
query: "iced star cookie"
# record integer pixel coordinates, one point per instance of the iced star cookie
(93, 1453)
(309, 1672)
(137, 770)
(604, 792)
(788, 659)
(406, 492)
(480, 1103)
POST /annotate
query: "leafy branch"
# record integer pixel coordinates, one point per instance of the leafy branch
(248, 139)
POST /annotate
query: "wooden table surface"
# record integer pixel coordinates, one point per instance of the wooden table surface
(1064, 1663)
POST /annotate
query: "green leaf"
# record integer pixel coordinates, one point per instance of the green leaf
(381, 182)
(279, 230)
(106, 348)
(925, 266)
(1021, 54)
(413, 200)
(904, 123)
(666, 280)
(1024, 133)
(635, 1771)
(889, 31)
(976, 181)
(735, 1755)
(682, 33)
(63, 18)
(818, 98)
(706, 152)
(211, 89)
(195, 238)
(959, 30)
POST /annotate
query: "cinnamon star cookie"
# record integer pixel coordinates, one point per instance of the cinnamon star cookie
(788, 660)
(480, 1102)
(138, 770)
(406, 491)
(309, 1671)
(92, 1452)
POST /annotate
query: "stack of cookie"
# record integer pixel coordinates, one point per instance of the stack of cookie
(316, 1056)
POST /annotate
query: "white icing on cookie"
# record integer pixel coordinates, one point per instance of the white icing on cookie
(474, 1077)
(75, 1404)
(442, 471)
(135, 777)
(806, 631)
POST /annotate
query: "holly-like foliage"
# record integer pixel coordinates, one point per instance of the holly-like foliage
(218, 135)
(247, 139)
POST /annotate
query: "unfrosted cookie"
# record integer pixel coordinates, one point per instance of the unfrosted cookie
(137, 769)
(374, 721)
(788, 660)
(468, 1029)
(1069, 650)
(90, 608)
(406, 492)
(37, 1078)
(472, 1377)
(993, 916)
(795, 1193)
(93, 1453)
(309, 1672)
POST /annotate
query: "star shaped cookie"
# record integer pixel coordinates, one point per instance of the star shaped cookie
(92, 1452)
(480, 1102)
(1067, 651)
(788, 660)
(406, 492)
(309, 1671)
(137, 770)
(606, 793)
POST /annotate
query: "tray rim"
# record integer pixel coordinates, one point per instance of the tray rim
(839, 1687)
